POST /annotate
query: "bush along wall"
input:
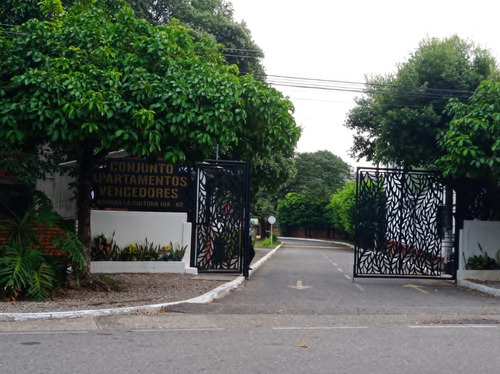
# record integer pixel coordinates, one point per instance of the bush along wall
(36, 252)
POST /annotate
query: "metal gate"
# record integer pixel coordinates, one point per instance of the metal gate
(221, 220)
(404, 225)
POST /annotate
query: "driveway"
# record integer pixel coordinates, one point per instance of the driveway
(315, 278)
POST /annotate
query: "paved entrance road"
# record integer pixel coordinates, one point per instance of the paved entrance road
(315, 278)
(299, 313)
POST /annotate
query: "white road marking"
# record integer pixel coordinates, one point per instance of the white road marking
(319, 327)
(418, 288)
(342, 271)
(43, 332)
(300, 286)
(359, 287)
(179, 329)
(454, 326)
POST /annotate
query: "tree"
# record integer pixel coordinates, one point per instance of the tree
(472, 141)
(319, 174)
(89, 82)
(16, 12)
(342, 209)
(299, 210)
(268, 175)
(306, 194)
(204, 18)
(401, 116)
(212, 18)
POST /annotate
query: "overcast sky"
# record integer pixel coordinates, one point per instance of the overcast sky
(347, 40)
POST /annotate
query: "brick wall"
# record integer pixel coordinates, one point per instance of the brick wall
(45, 236)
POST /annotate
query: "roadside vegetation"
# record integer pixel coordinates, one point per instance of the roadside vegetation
(92, 78)
(440, 111)
(27, 269)
(81, 78)
(266, 243)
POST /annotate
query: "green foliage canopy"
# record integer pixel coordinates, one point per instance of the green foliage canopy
(121, 83)
(320, 174)
(205, 18)
(212, 18)
(90, 82)
(472, 141)
(401, 116)
(268, 175)
(300, 210)
(342, 209)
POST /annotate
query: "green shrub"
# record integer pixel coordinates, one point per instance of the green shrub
(135, 252)
(108, 250)
(342, 209)
(483, 261)
(301, 210)
(104, 248)
(171, 253)
(266, 243)
(26, 272)
(73, 249)
(29, 272)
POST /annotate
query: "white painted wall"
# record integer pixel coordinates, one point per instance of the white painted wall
(134, 227)
(57, 189)
(486, 233)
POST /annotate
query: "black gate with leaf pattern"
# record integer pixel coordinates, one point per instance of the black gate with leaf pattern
(402, 225)
(221, 217)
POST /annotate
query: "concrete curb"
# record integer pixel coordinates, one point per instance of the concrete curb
(480, 287)
(210, 296)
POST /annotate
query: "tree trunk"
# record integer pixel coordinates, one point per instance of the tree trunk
(85, 166)
(262, 224)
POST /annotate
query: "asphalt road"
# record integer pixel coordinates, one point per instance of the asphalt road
(355, 349)
(300, 312)
(315, 278)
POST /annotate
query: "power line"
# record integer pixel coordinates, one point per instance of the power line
(367, 83)
(244, 50)
(240, 56)
(366, 88)
(339, 85)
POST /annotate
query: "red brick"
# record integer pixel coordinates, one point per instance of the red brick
(45, 236)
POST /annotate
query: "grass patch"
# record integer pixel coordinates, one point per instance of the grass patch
(266, 243)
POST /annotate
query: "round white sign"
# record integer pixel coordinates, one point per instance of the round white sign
(271, 220)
